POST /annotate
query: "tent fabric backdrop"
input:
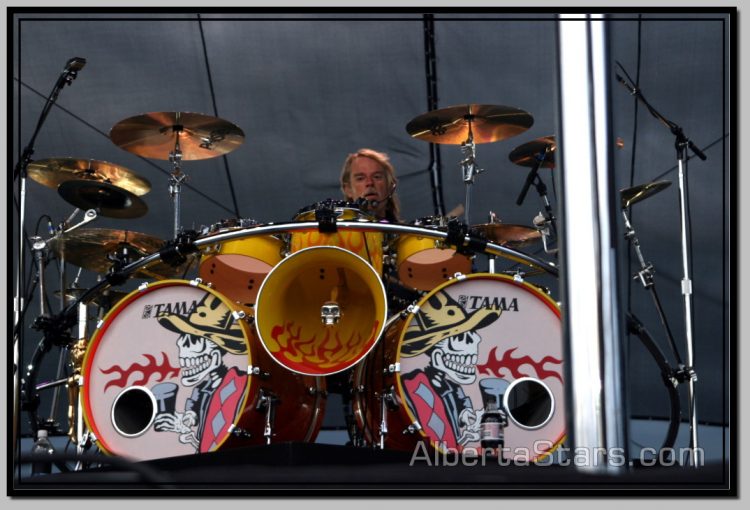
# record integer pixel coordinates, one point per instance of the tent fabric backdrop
(307, 89)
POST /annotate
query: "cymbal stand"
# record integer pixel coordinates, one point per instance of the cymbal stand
(682, 144)
(469, 167)
(646, 277)
(544, 220)
(176, 178)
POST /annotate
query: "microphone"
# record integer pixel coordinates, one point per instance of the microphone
(74, 65)
(633, 91)
(374, 203)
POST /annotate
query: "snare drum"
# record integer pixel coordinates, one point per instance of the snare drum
(368, 245)
(174, 369)
(425, 262)
(236, 268)
(480, 338)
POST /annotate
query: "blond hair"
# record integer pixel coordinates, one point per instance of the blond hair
(393, 207)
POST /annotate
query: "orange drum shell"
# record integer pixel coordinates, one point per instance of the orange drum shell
(424, 264)
(236, 268)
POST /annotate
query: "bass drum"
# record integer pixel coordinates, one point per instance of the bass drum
(174, 368)
(473, 340)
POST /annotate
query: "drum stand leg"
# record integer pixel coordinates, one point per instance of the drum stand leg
(267, 402)
(387, 402)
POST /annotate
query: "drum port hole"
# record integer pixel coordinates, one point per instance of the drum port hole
(133, 411)
(529, 403)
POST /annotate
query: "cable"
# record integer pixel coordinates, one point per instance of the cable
(216, 114)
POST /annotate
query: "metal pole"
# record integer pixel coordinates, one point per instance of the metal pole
(687, 292)
(592, 329)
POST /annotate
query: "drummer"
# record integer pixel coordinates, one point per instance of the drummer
(368, 177)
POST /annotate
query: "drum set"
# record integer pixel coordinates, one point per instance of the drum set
(240, 352)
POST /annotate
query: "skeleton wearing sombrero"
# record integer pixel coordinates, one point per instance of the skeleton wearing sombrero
(206, 335)
(448, 335)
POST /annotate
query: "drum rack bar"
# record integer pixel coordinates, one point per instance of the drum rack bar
(296, 226)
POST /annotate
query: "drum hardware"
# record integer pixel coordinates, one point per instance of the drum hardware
(467, 125)
(538, 154)
(176, 137)
(267, 402)
(646, 276)
(241, 433)
(20, 175)
(682, 143)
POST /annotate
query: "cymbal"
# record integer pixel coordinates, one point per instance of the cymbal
(53, 172)
(505, 234)
(630, 196)
(107, 199)
(95, 249)
(107, 298)
(529, 154)
(452, 125)
(153, 135)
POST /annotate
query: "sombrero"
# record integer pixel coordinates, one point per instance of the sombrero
(211, 319)
(439, 318)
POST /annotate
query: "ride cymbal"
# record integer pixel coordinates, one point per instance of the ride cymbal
(485, 123)
(55, 171)
(154, 135)
(97, 249)
(630, 196)
(107, 199)
(512, 236)
(529, 154)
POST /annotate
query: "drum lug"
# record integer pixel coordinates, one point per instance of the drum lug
(458, 276)
(239, 432)
(413, 428)
(257, 371)
(238, 315)
(393, 367)
(413, 308)
(195, 282)
(143, 287)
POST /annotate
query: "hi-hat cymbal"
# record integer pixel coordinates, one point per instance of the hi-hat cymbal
(630, 196)
(53, 172)
(96, 249)
(107, 199)
(529, 154)
(512, 236)
(153, 135)
(452, 125)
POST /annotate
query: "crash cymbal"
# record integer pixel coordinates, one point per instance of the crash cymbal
(97, 249)
(512, 236)
(529, 154)
(488, 123)
(53, 172)
(630, 196)
(153, 135)
(107, 298)
(107, 199)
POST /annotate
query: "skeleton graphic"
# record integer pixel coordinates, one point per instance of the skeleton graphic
(448, 335)
(206, 335)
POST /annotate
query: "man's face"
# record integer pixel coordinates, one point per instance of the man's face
(368, 180)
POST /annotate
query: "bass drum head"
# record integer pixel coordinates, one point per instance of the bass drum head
(482, 338)
(167, 373)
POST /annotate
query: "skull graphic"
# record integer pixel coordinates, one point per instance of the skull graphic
(457, 356)
(199, 356)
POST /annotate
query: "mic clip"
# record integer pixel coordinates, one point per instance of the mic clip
(326, 218)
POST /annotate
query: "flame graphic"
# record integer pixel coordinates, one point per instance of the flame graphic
(328, 351)
(162, 370)
(494, 365)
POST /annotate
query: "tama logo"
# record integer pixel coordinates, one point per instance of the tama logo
(161, 309)
(491, 303)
